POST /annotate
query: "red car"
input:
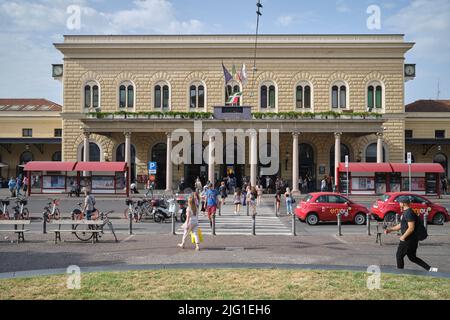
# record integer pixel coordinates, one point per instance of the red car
(388, 206)
(325, 206)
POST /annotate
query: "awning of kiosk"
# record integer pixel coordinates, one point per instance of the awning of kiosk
(418, 167)
(49, 166)
(365, 167)
(101, 166)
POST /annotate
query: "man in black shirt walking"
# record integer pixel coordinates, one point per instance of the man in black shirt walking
(409, 240)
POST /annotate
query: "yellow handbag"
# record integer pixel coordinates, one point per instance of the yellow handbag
(200, 236)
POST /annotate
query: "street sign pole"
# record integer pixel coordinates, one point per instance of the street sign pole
(409, 159)
(346, 167)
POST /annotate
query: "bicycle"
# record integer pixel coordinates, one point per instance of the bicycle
(4, 213)
(77, 213)
(20, 212)
(87, 236)
(132, 210)
(51, 211)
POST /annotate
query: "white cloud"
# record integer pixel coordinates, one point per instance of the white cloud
(286, 20)
(342, 6)
(428, 24)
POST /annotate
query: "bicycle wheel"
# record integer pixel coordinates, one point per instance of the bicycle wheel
(25, 214)
(81, 234)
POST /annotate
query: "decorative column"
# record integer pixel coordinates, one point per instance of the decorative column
(128, 155)
(380, 147)
(211, 159)
(169, 165)
(337, 155)
(253, 157)
(86, 156)
(295, 162)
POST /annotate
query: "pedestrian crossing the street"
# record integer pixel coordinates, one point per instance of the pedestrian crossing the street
(230, 224)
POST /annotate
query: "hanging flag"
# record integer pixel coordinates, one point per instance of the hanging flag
(243, 75)
(227, 75)
(233, 70)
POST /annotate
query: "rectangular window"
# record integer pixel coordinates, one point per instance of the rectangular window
(379, 98)
(158, 97)
(299, 97)
(264, 97)
(122, 97)
(201, 97)
(307, 97)
(272, 97)
(130, 97)
(193, 95)
(370, 98)
(27, 132)
(343, 97)
(439, 134)
(58, 133)
(95, 96)
(166, 97)
(334, 97)
(87, 97)
(408, 134)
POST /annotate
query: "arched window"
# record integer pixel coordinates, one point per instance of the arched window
(26, 157)
(374, 96)
(303, 96)
(268, 96)
(126, 95)
(442, 160)
(57, 156)
(371, 153)
(339, 95)
(232, 89)
(197, 96)
(162, 96)
(91, 95)
(94, 152)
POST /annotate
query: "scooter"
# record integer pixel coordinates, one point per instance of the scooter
(163, 210)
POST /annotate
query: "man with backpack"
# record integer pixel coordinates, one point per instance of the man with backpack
(413, 231)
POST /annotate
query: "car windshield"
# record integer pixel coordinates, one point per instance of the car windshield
(307, 198)
(385, 197)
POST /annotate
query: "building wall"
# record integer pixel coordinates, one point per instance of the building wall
(43, 127)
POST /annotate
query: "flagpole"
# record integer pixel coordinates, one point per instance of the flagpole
(258, 15)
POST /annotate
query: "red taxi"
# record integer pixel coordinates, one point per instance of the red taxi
(388, 206)
(325, 206)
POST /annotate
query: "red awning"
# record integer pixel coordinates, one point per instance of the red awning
(365, 167)
(49, 166)
(101, 166)
(418, 167)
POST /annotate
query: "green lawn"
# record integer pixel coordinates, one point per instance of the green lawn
(226, 284)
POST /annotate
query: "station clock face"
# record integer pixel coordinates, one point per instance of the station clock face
(57, 70)
(410, 70)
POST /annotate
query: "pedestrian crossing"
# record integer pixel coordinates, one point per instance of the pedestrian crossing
(230, 224)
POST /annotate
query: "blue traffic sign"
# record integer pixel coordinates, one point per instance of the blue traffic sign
(152, 167)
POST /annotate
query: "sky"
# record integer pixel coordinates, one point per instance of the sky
(29, 28)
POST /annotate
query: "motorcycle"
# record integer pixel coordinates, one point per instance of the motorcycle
(162, 209)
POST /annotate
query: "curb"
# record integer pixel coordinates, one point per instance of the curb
(114, 268)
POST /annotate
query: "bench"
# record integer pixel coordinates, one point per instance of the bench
(20, 232)
(72, 230)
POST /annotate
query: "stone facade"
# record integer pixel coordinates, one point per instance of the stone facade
(286, 61)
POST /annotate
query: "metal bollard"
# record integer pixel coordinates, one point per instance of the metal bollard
(254, 225)
(173, 224)
(293, 225)
(213, 217)
(130, 216)
(220, 208)
(248, 209)
(44, 226)
(425, 221)
(276, 209)
(368, 216)
(339, 224)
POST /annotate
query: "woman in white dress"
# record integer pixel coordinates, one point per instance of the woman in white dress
(191, 224)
